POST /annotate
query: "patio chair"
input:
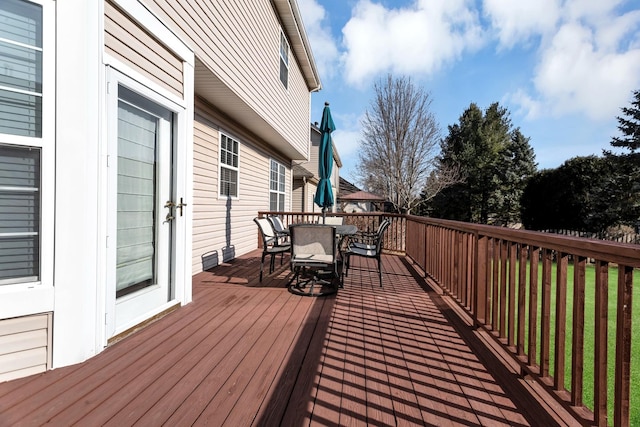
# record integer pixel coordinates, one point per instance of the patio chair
(366, 245)
(271, 244)
(368, 239)
(313, 259)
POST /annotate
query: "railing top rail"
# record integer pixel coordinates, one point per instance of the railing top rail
(619, 253)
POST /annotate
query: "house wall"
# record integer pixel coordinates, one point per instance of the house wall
(223, 227)
(298, 194)
(239, 42)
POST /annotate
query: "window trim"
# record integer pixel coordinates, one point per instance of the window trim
(282, 59)
(46, 144)
(222, 134)
(279, 165)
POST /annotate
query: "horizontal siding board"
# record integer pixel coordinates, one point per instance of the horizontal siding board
(24, 359)
(23, 324)
(126, 31)
(131, 44)
(23, 341)
(21, 373)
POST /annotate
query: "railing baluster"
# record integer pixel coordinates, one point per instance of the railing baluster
(561, 320)
(533, 306)
(513, 248)
(623, 346)
(545, 326)
(522, 298)
(577, 346)
(600, 359)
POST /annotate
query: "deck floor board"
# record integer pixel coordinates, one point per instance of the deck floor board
(247, 353)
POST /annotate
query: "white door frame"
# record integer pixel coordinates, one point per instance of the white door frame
(181, 225)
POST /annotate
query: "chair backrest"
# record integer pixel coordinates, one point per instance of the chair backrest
(333, 220)
(380, 234)
(277, 223)
(266, 231)
(313, 239)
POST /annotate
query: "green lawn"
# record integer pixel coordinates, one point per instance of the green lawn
(589, 336)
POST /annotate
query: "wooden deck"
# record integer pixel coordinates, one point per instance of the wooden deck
(248, 353)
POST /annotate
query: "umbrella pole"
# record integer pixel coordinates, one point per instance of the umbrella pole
(324, 215)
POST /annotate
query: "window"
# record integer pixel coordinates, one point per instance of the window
(20, 68)
(284, 60)
(229, 152)
(22, 151)
(19, 214)
(276, 187)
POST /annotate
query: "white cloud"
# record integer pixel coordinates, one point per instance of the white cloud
(575, 76)
(417, 40)
(588, 62)
(325, 50)
(518, 21)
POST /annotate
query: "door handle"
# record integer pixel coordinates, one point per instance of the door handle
(180, 205)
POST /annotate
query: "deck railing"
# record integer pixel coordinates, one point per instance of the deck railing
(530, 291)
(518, 286)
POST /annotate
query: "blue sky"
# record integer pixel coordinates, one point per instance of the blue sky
(563, 68)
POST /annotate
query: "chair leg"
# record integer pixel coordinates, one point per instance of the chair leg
(262, 264)
(272, 264)
(380, 270)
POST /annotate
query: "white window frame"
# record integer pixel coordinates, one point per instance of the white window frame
(285, 52)
(280, 169)
(13, 300)
(222, 166)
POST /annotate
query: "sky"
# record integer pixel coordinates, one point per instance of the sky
(562, 68)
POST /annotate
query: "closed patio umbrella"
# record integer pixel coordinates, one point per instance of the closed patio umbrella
(324, 194)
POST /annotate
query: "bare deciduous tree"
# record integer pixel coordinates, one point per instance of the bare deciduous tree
(399, 151)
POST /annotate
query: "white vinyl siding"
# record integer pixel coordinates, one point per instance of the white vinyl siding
(25, 344)
(238, 42)
(224, 226)
(132, 45)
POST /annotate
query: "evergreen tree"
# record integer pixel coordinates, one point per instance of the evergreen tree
(625, 184)
(495, 161)
(629, 125)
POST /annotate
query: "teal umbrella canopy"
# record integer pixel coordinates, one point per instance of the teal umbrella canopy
(324, 194)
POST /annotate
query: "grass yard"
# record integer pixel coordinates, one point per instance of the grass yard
(589, 336)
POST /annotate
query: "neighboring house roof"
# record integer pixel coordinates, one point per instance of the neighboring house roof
(346, 187)
(336, 156)
(300, 171)
(362, 196)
